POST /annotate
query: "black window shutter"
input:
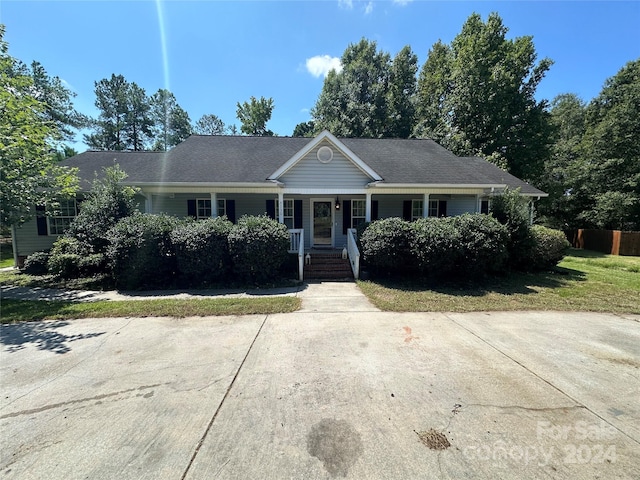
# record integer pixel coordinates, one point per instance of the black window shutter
(406, 210)
(271, 209)
(297, 214)
(442, 208)
(346, 215)
(191, 208)
(41, 220)
(374, 210)
(231, 210)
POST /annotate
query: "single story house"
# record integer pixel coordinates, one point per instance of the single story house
(319, 187)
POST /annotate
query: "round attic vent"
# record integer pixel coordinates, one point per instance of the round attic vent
(325, 154)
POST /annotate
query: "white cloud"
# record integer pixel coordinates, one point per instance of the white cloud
(402, 3)
(369, 8)
(348, 4)
(322, 65)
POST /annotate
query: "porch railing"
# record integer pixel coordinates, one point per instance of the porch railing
(353, 252)
(296, 245)
(295, 239)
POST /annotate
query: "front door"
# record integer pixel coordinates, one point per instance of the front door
(322, 223)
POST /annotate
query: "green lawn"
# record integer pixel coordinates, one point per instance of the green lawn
(28, 310)
(584, 281)
(6, 254)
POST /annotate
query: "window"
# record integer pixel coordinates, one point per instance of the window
(434, 208)
(484, 206)
(416, 209)
(203, 208)
(288, 207)
(222, 207)
(358, 212)
(67, 212)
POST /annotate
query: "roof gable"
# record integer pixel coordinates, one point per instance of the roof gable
(326, 137)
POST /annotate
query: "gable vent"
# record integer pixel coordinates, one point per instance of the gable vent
(325, 154)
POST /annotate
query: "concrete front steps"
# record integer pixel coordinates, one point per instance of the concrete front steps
(327, 265)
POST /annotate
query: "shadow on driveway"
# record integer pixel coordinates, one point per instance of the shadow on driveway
(43, 335)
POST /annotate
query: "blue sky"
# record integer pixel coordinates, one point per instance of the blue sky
(212, 54)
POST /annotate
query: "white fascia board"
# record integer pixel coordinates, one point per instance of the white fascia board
(434, 185)
(326, 135)
(325, 191)
(205, 184)
(188, 187)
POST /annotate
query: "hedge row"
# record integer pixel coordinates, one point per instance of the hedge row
(147, 251)
(465, 246)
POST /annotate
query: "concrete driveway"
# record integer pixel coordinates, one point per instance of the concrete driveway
(315, 395)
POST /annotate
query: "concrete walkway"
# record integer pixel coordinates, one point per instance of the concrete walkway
(316, 296)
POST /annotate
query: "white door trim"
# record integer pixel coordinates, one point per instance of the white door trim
(331, 201)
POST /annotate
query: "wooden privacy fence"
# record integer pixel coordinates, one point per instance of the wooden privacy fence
(614, 242)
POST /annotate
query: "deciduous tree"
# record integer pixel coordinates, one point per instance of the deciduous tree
(254, 116)
(29, 173)
(482, 95)
(354, 103)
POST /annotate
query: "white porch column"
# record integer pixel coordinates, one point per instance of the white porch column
(214, 205)
(148, 203)
(425, 205)
(367, 212)
(478, 203)
(281, 207)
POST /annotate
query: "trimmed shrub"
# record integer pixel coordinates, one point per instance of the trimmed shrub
(141, 253)
(386, 246)
(65, 256)
(36, 264)
(550, 246)
(65, 265)
(482, 245)
(512, 210)
(106, 203)
(435, 246)
(69, 258)
(259, 248)
(202, 250)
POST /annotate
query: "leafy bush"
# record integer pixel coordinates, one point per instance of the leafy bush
(550, 246)
(202, 250)
(512, 210)
(65, 265)
(482, 247)
(141, 253)
(106, 203)
(36, 264)
(69, 259)
(385, 245)
(259, 248)
(435, 245)
(65, 256)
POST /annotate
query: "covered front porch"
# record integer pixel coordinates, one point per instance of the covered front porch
(319, 220)
(325, 216)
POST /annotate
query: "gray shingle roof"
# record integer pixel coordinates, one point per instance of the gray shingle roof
(222, 159)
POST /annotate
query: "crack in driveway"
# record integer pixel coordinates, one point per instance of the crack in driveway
(213, 419)
(555, 387)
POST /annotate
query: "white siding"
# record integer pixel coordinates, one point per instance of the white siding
(461, 204)
(28, 240)
(311, 173)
